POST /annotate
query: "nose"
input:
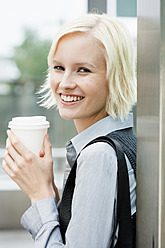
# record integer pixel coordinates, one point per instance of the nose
(67, 82)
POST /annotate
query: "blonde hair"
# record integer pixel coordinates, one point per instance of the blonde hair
(120, 61)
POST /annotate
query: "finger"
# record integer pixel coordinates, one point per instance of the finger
(13, 153)
(42, 152)
(7, 141)
(47, 146)
(7, 169)
(19, 147)
(14, 141)
(8, 164)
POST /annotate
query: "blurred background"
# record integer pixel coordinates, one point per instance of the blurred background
(27, 29)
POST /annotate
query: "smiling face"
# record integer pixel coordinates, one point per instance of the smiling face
(78, 79)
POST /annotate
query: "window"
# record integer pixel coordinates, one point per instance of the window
(27, 30)
(127, 8)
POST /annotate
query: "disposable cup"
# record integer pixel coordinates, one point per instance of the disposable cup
(30, 131)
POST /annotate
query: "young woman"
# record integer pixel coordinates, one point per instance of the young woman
(91, 79)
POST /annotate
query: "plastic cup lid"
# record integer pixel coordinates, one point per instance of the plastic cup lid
(30, 122)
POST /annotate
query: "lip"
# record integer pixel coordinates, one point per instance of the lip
(72, 102)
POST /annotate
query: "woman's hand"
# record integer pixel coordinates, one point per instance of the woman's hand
(34, 175)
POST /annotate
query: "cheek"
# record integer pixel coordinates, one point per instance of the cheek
(53, 83)
(100, 92)
(98, 86)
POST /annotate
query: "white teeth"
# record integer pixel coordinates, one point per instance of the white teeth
(71, 98)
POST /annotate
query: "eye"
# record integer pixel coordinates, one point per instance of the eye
(58, 68)
(84, 70)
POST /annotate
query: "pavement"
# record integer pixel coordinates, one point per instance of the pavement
(15, 239)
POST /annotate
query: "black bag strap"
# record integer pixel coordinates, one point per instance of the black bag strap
(123, 197)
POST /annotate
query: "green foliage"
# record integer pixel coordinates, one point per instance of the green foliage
(31, 58)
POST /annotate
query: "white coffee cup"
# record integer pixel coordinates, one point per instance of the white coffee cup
(30, 131)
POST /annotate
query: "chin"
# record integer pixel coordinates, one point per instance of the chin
(65, 116)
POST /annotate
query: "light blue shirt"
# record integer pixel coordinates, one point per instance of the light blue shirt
(93, 208)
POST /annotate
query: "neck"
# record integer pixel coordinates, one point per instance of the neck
(81, 125)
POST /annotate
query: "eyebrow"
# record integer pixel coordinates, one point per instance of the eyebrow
(85, 64)
(78, 64)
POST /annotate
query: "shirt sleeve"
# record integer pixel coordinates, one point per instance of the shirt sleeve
(92, 220)
(42, 221)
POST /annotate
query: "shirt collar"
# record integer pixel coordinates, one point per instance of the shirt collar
(102, 127)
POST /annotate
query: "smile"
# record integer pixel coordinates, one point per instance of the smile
(67, 98)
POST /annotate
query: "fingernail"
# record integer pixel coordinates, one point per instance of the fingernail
(42, 153)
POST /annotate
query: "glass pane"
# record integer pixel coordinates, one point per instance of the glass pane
(127, 8)
(27, 30)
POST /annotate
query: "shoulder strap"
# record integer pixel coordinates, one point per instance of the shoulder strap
(123, 196)
(127, 139)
